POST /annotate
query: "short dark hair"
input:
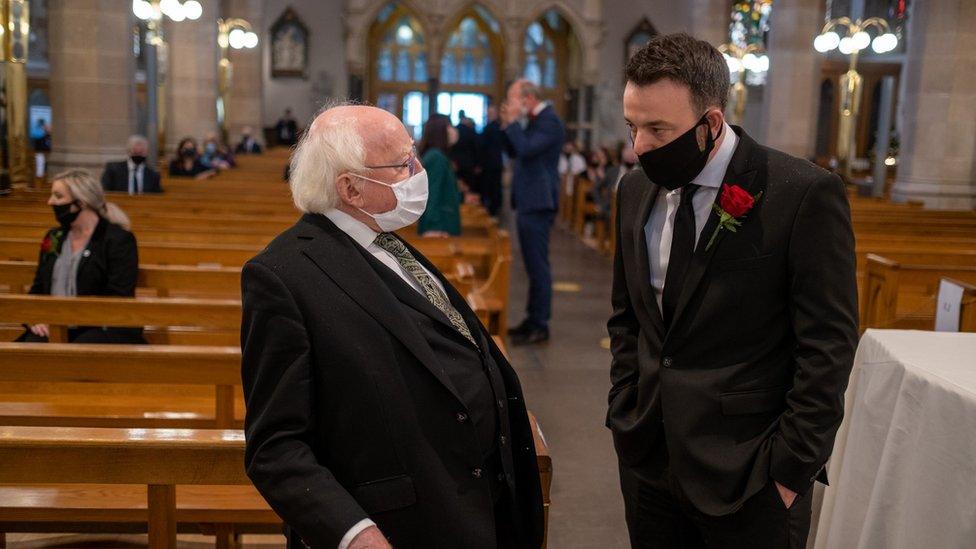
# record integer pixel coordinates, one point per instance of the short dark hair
(685, 60)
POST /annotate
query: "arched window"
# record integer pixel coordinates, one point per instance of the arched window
(470, 66)
(540, 56)
(398, 66)
(552, 58)
(468, 58)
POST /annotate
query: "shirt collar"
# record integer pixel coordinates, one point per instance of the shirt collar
(714, 171)
(539, 108)
(356, 229)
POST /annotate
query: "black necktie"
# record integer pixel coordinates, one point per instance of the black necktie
(682, 249)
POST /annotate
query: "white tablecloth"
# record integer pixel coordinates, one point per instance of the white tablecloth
(903, 471)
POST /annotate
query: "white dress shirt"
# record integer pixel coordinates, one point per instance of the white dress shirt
(136, 175)
(364, 236)
(660, 225)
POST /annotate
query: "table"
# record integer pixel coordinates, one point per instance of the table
(903, 470)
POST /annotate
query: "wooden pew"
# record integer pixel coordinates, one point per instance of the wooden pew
(96, 469)
(899, 295)
(161, 280)
(210, 316)
(169, 386)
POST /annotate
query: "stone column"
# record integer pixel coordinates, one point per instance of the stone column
(789, 117)
(938, 129)
(191, 82)
(246, 93)
(92, 71)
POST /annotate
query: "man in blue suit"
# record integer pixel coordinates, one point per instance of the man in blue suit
(534, 135)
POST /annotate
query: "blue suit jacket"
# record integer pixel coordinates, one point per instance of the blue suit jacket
(535, 150)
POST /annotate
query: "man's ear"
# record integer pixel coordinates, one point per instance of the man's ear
(349, 193)
(716, 118)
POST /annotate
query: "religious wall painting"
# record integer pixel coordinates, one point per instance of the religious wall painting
(289, 47)
(638, 38)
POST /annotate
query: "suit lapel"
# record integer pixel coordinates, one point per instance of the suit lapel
(743, 171)
(406, 293)
(643, 261)
(337, 256)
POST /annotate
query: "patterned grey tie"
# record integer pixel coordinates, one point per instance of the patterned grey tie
(434, 294)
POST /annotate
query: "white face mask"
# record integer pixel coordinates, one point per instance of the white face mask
(411, 195)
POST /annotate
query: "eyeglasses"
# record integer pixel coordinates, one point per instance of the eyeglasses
(411, 164)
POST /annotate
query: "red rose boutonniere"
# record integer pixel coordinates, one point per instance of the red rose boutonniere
(733, 205)
(51, 245)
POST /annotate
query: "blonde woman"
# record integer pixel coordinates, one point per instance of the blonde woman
(90, 253)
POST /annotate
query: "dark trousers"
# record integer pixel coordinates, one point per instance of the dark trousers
(534, 229)
(660, 516)
(491, 190)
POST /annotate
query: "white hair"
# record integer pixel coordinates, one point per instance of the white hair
(136, 140)
(324, 152)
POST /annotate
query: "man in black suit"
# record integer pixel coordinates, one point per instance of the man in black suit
(132, 175)
(464, 153)
(248, 145)
(379, 411)
(490, 147)
(286, 130)
(731, 349)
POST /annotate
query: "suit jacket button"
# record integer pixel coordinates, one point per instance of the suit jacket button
(477, 472)
(461, 417)
(667, 362)
(502, 440)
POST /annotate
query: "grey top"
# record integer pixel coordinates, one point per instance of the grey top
(65, 276)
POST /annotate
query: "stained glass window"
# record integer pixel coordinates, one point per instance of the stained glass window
(468, 58)
(402, 56)
(540, 56)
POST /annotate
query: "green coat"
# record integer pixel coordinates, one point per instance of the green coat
(444, 203)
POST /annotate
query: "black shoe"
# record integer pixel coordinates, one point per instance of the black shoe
(535, 335)
(522, 329)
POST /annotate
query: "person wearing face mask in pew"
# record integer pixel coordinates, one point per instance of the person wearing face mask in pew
(90, 253)
(187, 162)
(734, 317)
(379, 411)
(132, 175)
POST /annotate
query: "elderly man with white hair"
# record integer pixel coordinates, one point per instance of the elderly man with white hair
(379, 411)
(132, 175)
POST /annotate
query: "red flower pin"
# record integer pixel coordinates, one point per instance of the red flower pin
(733, 204)
(51, 245)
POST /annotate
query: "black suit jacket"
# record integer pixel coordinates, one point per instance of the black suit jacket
(747, 384)
(491, 146)
(116, 178)
(109, 267)
(349, 413)
(250, 146)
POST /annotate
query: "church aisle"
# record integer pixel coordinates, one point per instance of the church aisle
(566, 382)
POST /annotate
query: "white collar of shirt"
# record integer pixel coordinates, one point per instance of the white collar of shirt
(356, 229)
(714, 171)
(539, 108)
(365, 237)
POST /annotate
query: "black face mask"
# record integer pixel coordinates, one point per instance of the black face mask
(138, 159)
(64, 215)
(674, 165)
(188, 153)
